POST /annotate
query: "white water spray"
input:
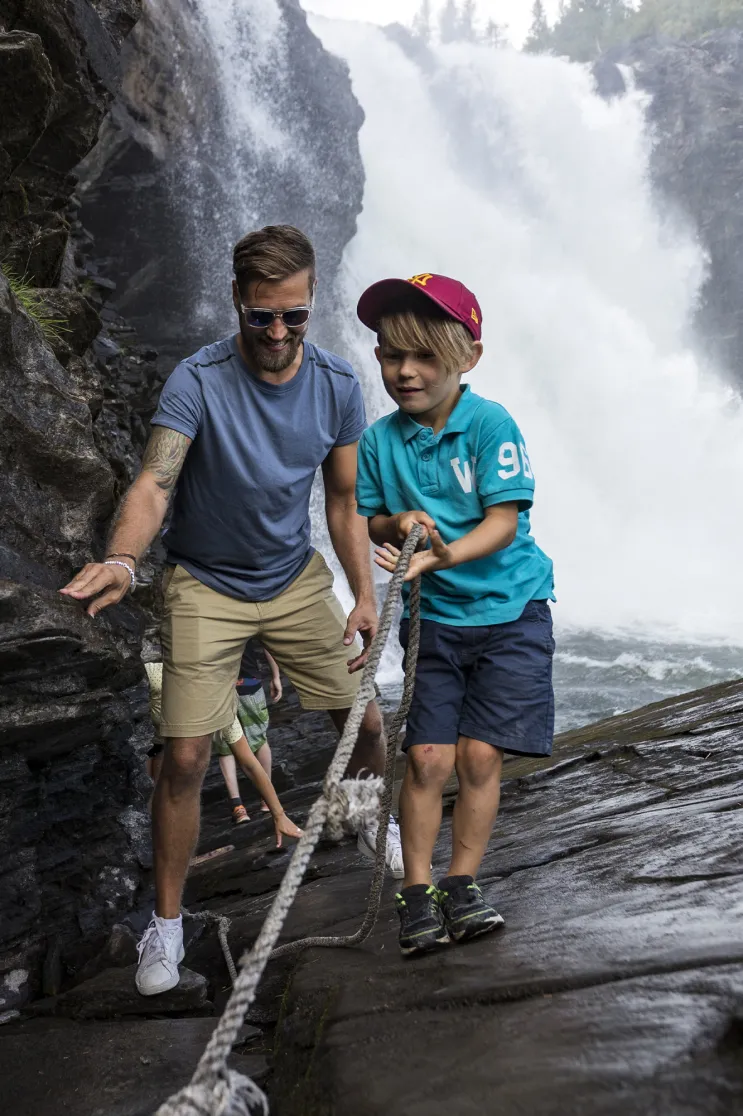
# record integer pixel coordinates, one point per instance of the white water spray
(507, 171)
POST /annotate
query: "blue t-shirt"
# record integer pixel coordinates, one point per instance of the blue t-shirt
(479, 459)
(241, 521)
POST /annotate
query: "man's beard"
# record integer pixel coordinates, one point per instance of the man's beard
(266, 361)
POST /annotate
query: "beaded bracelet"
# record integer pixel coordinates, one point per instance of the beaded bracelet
(127, 567)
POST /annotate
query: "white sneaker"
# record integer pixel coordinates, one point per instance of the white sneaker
(367, 844)
(160, 954)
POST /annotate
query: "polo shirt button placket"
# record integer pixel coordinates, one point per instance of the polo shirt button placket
(428, 475)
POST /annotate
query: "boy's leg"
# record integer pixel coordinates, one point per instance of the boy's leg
(479, 767)
(428, 768)
(466, 910)
(228, 768)
(263, 755)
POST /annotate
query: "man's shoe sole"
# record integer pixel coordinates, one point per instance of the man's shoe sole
(166, 987)
(371, 854)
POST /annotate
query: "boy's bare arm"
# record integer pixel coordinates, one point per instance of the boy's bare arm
(277, 689)
(496, 531)
(139, 519)
(396, 528)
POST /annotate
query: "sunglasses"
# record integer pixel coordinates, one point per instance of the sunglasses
(258, 318)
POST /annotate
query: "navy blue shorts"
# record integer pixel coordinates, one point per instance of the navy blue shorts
(490, 683)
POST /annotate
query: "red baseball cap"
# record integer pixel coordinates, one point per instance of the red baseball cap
(449, 295)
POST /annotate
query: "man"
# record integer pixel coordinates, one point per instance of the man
(240, 429)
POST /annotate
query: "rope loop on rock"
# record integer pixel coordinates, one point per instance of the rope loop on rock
(216, 1090)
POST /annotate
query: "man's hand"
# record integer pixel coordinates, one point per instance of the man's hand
(406, 521)
(439, 557)
(108, 584)
(364, 622)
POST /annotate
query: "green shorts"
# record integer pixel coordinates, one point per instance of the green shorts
(252, 713)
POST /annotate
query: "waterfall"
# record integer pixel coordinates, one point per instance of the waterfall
(508, 172)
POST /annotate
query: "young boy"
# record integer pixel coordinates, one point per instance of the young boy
(456, 464)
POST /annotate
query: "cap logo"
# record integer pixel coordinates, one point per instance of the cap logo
(474, 316)
(421, 280)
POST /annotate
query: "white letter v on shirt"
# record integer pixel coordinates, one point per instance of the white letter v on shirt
(464, 478)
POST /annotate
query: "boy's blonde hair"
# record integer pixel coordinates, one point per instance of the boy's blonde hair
(411, 332)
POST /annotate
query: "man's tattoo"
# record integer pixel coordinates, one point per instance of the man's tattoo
(166, 451)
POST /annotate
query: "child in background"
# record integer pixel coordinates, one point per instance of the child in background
(231, 740)
(252, 710)
(456, 464)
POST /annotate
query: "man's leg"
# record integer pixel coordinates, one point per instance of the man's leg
(175, 818)
(479, 767)
(369, 751)
(428, 768)
(367, 760)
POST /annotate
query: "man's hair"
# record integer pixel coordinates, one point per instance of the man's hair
(271, 254)
(413, 332)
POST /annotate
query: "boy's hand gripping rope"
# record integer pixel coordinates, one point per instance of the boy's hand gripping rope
(214, 1089)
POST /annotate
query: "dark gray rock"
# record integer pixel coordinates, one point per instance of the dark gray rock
(71, 788)
(171, 158)
(696, 114)
(76, 323)
(615, 987)
(100, 1069)
(112, 994)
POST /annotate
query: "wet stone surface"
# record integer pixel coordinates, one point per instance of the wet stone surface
(615, 987)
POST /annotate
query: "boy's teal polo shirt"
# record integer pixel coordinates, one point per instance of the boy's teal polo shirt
(479, 459)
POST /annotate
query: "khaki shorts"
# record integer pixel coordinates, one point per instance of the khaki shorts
(204, 635)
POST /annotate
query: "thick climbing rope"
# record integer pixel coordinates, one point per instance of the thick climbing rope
(215, 1089)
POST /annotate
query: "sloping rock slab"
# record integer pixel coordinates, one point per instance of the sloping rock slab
(55, 1066)
(617, 984)
(113, 994)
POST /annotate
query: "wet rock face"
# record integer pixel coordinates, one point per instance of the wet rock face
(192, 179)
(696, 113)
(70, 852)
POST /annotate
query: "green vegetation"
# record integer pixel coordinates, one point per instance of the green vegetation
(32, 301)
(586, 28)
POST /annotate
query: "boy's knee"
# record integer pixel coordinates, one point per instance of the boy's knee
(186, 761)
(477, 762)
(430, 764)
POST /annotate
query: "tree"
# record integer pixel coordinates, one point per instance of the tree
(422, 21)
(494, 34)
(467, 30)
(539, 35)
(449, 22)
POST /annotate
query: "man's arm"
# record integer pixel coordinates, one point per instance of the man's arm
(350, 538)
(139, 519)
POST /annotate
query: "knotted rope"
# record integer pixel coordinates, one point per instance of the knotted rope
(215, 1089)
